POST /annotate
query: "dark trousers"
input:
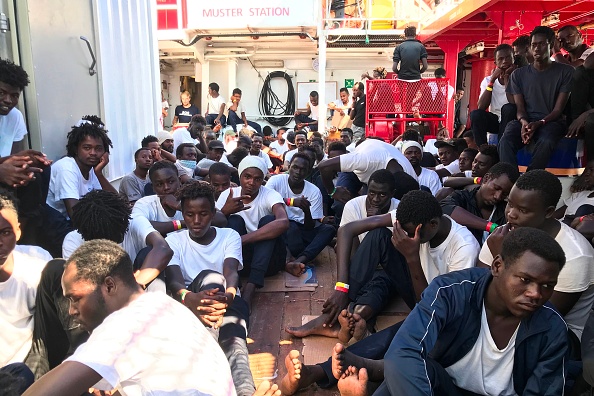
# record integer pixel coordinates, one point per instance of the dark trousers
(482, 122)
(543, 142)
(55, 335)
(210, 119)
(351, 182)
(232, 334)
(374, 288)
(263, 258)
(234, 119)
(303, 119)
(308, 243)
(21, 378)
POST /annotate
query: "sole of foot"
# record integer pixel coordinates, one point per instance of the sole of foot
(353, 382)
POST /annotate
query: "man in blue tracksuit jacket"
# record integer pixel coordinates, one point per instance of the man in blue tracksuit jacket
(442, 346)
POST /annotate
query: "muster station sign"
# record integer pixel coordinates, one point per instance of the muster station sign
(234, 14)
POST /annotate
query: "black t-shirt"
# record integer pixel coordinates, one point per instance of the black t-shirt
(409, 54)
(540, 88)
(359, 119)
(467, 200)
(184, 114)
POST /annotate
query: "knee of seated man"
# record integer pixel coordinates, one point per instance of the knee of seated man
(265, 220)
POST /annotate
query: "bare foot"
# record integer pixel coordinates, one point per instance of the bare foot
(266, 389)
(358, 327)
(346, 333)
(295, 268)
(353, 382)
(337, 361)
(342, 358)
(299, 376)
(315, 327)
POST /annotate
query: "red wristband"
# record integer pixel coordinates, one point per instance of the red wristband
(488, 227)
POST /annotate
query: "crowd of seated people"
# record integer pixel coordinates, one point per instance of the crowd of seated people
(150, 290)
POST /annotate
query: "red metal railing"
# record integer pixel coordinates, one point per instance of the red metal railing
(391, 104)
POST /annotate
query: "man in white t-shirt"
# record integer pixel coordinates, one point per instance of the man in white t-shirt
(300, 142)
(203, 275)
(105, 215)
(356, 168)
(531, 203)
(13, 80)
(215, 107)
(258, 214)
(236, 113)
(20, 273)
(413, 151)
(493, 96)
(423, 244)
(256, 150)
(280, 145)
(123, 320)
(81, 171)
(192, 134)
(448, 152)
(309, 117)
(307, 235)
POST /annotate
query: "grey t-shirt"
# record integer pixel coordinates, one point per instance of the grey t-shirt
(132, 186)
(409, 54)
(540, 88)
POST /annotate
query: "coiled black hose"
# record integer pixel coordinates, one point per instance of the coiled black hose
(270, 104)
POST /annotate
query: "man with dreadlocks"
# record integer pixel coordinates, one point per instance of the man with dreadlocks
(98, 215)
(81, 171)
(203, 275)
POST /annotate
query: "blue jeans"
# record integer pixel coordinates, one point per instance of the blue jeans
(303, 119)
(545, 140)
(235, 120)
(210, 119)
(308, 243)
(351, 182)
(22, 378)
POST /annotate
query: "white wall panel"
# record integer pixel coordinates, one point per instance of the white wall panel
(129, 70)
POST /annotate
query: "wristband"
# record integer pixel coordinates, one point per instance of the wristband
(177, 225)
(182, 297)
(582, 218)
(477, 180)
(491, 227)
(343, 285)
(332, 193)
(341, 289)
(490, 89)
(291, 201)
(288, 201)
(543, 121)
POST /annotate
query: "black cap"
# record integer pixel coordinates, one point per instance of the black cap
(457, 144)
(291, 137)
(216, 144)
